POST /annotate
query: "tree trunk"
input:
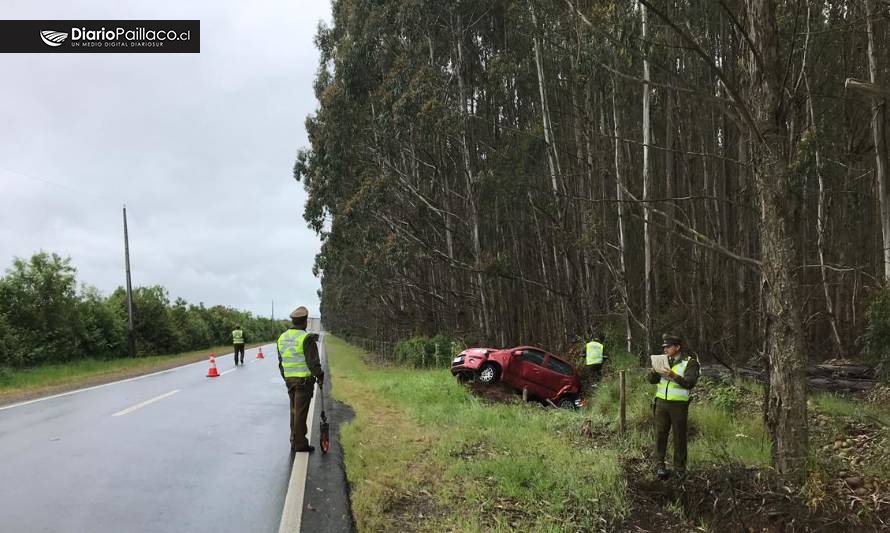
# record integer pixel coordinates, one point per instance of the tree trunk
(668, 246)
(821, 217)
(545, 111)
(647, 233)
(878, 125)
(622, 245)
(552, 154)
(472, 198)
(786, 409)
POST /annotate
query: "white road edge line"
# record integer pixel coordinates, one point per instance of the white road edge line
(69, 393)
(227, 371)
(138, 406)
(292, 514)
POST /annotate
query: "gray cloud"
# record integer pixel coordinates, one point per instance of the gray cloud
(199, 146)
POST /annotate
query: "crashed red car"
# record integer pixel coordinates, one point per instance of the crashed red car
(545, 375)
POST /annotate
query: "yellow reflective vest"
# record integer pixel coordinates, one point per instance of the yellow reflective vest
(594, 353)
(293, 358)
(668, 390)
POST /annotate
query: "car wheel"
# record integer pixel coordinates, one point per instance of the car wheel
(566, 403)
(488, 374)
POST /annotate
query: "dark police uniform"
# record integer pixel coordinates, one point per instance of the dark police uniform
(594, 356)
(238, 340)
(672, 406)
(300, 367)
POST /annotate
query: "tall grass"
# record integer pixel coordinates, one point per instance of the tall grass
(498, 464)
(719, 437)
(836, 405)
(422, 444)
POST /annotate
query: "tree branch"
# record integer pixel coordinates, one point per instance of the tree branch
(743, 108)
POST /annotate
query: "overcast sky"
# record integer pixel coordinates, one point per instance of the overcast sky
(200, 147)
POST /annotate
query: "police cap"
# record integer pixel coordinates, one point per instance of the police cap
(299, 312)
(669, 339)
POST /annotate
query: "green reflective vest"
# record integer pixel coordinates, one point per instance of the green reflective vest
(293, 359)
(594, 353)
(668, 390)
(237, 337)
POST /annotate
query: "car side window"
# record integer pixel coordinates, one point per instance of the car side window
(559, 366)
(533, 356)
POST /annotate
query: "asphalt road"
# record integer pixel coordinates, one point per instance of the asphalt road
(175, 451)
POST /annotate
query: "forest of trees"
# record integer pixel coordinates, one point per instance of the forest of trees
(45, 318)
(529, 172)
(489, 168)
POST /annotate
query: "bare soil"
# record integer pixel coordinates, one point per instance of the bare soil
(496, 393)
(739, 498)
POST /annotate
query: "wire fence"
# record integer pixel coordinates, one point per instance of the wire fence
(418, 352)
(384, 349)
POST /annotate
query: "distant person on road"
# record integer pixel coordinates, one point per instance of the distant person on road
(301, 369)
(238, 344)
(594, 355)
(672, 404)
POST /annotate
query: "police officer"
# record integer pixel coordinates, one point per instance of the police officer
(238, 343)
(594, 355)
(300, 367)
(672, 404)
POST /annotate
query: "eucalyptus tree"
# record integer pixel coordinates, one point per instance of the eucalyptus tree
(516, 172)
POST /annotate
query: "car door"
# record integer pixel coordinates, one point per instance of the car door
(530, 371)
(557, 374)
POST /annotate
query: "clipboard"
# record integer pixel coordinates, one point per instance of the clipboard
(660, 362)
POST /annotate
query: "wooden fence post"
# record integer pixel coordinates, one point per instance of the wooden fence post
(622, 419)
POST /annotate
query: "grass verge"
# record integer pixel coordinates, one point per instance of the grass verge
(19, 385)
(422, 454)
(425, 454)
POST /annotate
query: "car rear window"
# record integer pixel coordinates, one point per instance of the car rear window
(560, 366)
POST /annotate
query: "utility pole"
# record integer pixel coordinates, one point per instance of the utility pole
(273, 310)
(131, 338)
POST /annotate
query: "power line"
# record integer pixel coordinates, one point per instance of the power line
(59, 185)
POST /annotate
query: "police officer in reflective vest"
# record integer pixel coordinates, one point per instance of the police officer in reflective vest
(593, 358)
(238, 343)
(672, 404)
(300, 368)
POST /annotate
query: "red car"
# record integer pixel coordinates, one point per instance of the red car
(545, 375)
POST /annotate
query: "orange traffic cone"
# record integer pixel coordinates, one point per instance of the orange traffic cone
(212, 373)
(260, 355)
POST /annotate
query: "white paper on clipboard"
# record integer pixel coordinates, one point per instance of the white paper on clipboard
(660, 362)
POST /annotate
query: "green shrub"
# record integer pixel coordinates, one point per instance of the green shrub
(877, 334)
(726, 396)
(102, 332)
(39, 300)
(409, 350)
(425, 352)
(44, 319)
(10, 345)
